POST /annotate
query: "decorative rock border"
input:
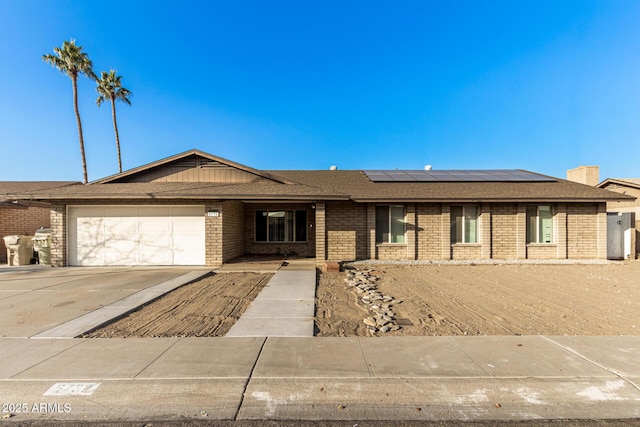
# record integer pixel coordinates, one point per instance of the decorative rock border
(364, 283)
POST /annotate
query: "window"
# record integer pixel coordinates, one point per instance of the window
(539, 224)
(390, 224)
(281, 226)
(464, 224)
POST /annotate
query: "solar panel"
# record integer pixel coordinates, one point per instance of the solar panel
(453, 175)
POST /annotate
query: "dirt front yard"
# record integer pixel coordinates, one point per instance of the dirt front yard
(206, 308)
(525, 299)
(516, 299)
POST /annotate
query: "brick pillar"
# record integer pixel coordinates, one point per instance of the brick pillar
(485, 231)
(59, 235)
(601, 231)
(321, 234)
(560, 229)
(371, 228)
(521, 231)
(213, 235)
(411, 231)
(445, 227)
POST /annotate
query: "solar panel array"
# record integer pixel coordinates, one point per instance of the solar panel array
(495, 175)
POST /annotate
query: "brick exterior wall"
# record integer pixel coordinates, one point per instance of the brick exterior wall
(233, 242)
(542, 251)
(504, 223)
(582, 231)
(342, 231)
(392, 251)
(58, 235)
(501, 233)
(466, 251)
(305, 249)
(21, 221)
(213, 234)
(346, 231)
(429, 231)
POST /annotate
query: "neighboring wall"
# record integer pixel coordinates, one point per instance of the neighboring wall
(21, 221)
(632, 206)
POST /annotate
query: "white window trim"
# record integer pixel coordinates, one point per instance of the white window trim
(404, 224)
(537, 230)
(464, 209)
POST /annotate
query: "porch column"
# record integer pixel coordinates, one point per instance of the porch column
(411, 231)
(485, 231)
(445, 231)
(371, 229)
(560, 230)
(59, 235)
(213, 235)
(321, 234)
(521, 232)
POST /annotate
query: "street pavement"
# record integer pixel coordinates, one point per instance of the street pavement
(289, 379)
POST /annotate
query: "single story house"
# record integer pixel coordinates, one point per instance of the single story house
(23, 217)
(198, 209)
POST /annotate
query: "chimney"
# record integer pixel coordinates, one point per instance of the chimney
(427, 167)
(589, 175)
(333, 168)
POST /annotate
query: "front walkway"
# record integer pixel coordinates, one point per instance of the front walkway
(286, 305)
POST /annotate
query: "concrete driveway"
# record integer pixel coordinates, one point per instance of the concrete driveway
(36, 299)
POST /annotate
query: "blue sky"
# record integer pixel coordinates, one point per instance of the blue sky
(538, 85)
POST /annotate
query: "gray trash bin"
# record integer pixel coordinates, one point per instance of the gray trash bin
(42, 245)
(19, 249)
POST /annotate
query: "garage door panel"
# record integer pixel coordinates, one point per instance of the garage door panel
(155, 226)
(188, 250)
(120, 227)
(155, 255)
(154, 211)
(188, 227)
(136, 235)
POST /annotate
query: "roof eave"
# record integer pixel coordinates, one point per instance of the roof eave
(484, 200)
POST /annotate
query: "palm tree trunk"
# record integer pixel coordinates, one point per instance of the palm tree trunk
(115, 128)
(74, 80)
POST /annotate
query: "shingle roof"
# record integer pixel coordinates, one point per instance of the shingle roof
(308, 185)
(360, 188)
(184, 191)
(18, 187)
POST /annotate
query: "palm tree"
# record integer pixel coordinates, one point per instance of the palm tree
(72, 61)
(110, 87)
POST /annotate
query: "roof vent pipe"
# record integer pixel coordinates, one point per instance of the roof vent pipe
(333, 168)
(427, 167)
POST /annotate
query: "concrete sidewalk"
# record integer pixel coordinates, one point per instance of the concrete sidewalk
(399, 378)
(286, 305)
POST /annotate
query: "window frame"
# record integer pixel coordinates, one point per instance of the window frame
(292, 228)
(389, 229)
(536, 236)
(464, 224)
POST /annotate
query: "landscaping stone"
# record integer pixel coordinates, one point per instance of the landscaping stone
(364, 282)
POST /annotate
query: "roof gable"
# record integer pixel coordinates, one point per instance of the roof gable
(192, 166)
(620, 182)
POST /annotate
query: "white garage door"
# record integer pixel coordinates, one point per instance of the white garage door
(136, 235)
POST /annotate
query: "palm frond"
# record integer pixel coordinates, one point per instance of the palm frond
(110, 87)
(70, 60)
